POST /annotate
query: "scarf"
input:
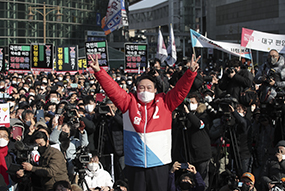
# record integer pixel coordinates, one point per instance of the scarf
(3, 165)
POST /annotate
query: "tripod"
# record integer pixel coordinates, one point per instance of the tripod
(81, 174)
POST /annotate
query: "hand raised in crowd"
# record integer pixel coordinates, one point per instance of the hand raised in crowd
(232, 74)
(186, 109)
(272, 82)
(194, 66)
(279, 157)
(231, 108)
(111, 113)
(191, 168)
(60, 120)
(175, 166)
(94, 64)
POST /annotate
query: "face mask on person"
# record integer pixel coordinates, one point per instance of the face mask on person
(93, 167)
(32, 94)
(59, 78)
(11, 104)
(42, 149)
(1, 87)
(63, 136)
(241, 114)
(42, 87)
(118, 78)
(129, 82)
(208, 99)
(193, 106)
(44, 81)
(145, 96)
(185, 185)
(274, 60)
(3, 142)
(26, 88)
(14, 82)
(89, 108)
(54, 100)
(91, 82)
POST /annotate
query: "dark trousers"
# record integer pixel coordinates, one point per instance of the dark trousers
(203, 169)
(147, 179)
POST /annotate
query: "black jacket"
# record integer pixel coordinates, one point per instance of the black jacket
(234, 86)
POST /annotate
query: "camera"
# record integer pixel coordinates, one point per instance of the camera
(152, 71)
(23, 151)
(103, 109)
(230, 70)
(82, 158)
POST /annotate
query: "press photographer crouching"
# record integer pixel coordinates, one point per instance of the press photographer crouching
(52, 166)
(64, 132)
(233, 183)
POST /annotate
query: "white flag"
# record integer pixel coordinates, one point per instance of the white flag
(171, 49)
(161, 48)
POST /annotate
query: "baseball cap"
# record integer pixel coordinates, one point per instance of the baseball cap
(248, 175)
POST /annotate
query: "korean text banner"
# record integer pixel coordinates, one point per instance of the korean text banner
(100, 49)
(135, 57)
(66, 58)
(82, 64)
(199, 40)
(2, 60)
(19, 58)
(42, 57)
(116, 16)
(262, 41)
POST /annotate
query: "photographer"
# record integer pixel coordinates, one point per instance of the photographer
(157, 73)
(63, 135)
(190, 181)
(52, 166)
(274, 169)
(235, 80)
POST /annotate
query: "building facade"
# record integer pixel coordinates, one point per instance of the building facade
(78, 17)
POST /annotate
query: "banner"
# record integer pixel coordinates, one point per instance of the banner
(66, 59)
(4, 115)
(82, 65)
(262, 41)
(19, 58)
(2, 60)
(171, 49)
(100, 49)
(116, 16)
(135, 57)
(161, 48)
(199, 40)
(42, 57)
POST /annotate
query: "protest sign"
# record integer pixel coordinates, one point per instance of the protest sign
(5, 115)
(19, 58)
(135, 57)
(262, 41)
(42, 57)
(100, 49)
(199, 40)
(82, 65)
(66, 59)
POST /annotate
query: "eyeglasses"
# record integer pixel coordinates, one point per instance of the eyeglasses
(4, 136)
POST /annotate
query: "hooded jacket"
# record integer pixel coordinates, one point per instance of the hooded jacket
(147, 127)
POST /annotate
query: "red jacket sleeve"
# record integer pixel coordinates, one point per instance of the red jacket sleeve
(175, 96)
(118, 96)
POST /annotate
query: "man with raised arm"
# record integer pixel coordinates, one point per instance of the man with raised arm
(147, 118)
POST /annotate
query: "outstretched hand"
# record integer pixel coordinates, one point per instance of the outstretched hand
(194, 66)
(94, 64)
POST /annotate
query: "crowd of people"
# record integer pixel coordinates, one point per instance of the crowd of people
(177, 128)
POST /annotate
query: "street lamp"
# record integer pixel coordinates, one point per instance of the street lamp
(44, 14)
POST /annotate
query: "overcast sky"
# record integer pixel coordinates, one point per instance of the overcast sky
(145, 4)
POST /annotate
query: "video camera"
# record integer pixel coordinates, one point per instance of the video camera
(230, 70)
(82, 158)
(23, 151)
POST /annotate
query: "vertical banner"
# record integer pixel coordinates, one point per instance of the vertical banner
(82, 65)
(100, 49)
(135, 57)
(19, 58)
(5, 115)
(2, 60)
(42, 57)
(66, 59)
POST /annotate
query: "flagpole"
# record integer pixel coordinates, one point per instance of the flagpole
(251, 60)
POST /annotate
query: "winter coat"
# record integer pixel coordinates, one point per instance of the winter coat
(147, 127)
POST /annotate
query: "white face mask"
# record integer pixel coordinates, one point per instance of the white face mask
(193, 106)
(43, 87)
(118, 79)
(91, 82)
(89, 108)
(1, 87)
(54, 100)
(26, 88)
(129, 82)
(145, 96)
(3, 142)
(14, 82)
(11, 104)
(93, 167)
(32, 94)
(59, 78)
(208, 99)
(44, 81)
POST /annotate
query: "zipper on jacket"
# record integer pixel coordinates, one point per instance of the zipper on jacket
(144, 130)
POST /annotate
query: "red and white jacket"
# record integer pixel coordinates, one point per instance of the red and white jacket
(147, 127)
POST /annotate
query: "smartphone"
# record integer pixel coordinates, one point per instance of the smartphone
(74, 85)
(17, 131)
(184, 166)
